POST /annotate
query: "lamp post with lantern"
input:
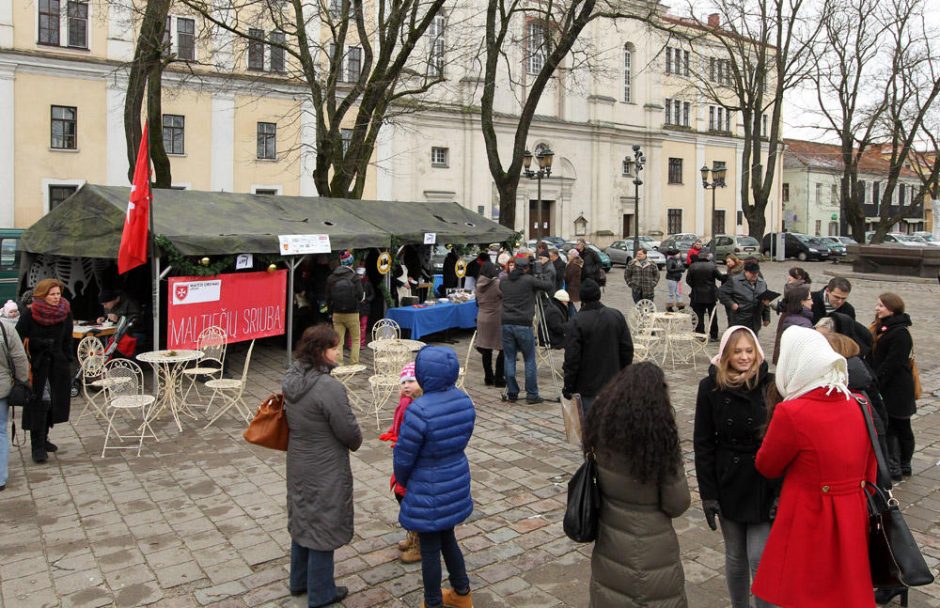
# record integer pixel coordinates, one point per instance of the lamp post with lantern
(635, 166)
(544, 157)
(717, 181)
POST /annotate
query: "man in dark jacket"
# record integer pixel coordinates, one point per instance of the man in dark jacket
(833, 299)
(343, 294)
(740, 295)
(592, 262)
(519, 293)
(703, 291)
(598, 346)
(559, 265)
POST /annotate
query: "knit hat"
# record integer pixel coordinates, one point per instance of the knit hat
(727, 336)
(407, 373)
(10, 309)
(562, 296)
(346, 258)
(808, 362)
(521, 260)
(106, 295)
(503, 259)
(751, 267)
(573, 253)
(590, 291)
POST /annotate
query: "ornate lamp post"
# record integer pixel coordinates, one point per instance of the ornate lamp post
(635, 165)
(718, 181)
(544, 157)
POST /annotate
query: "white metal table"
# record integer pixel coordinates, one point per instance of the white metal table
(167, 372)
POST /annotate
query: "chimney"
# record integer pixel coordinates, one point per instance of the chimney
(714, 21)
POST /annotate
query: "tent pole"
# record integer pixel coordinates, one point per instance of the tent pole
(156, 297)
(292, 263)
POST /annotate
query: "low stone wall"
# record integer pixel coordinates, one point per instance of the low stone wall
(896, 260)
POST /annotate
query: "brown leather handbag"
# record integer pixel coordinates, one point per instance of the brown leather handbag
(269, 426)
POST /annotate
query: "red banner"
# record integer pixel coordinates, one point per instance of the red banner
(246, 305)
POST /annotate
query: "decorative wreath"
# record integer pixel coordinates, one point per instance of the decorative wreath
(384, 263)
(461, 269)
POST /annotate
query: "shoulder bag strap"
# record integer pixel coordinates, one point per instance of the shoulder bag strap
(876, 447)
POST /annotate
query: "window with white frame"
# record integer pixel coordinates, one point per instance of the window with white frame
(353, 64)
(278, 63)
(346, 135)
(267, 141)
(628, 73)
(58, 193)
(819, 189)
(674, 221)
(174, 133)
(719, 71)
(255, 49)
(436, 47)
(902, 188)
(834, 194)
(56, 27)
(678, 112)
(440, 157)
(626, 167)
(677, 61)
(786, 193)
(537, 43)
(179, 38)
(764, 131)
(719, 119)
(64, 128)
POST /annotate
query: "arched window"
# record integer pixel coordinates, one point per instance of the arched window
(628, 73)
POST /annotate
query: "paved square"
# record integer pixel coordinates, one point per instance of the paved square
(200, 518)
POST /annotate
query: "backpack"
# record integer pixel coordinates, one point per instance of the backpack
(343, 296)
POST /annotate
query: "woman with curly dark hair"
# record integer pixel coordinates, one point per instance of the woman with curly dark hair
(631, 428)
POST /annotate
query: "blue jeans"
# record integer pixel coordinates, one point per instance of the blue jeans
(433, 545)
(4, 441)
(673, 287)
(312, 570)
(744, 544)
(519, 338)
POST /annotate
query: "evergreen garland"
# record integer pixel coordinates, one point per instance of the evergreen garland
(183, 266)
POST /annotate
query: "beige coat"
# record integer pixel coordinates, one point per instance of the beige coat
(489, 312)
(636, 557)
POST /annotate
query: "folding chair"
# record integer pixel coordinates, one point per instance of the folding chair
(211, 342)
(124, 392)
(91, 360)
(231, 391)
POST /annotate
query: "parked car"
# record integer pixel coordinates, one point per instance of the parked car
(923, 239)
(836, 247)
(846, 240)
(741, 246)
(683, 242)
(800, 246)
(606, 264)
(621, 252)
(649, 242)
(929, 237)
(9, 263)
(896, 238)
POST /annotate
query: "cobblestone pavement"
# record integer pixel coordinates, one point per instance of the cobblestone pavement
(200, 519)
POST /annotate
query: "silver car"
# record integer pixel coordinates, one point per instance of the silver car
(621, 252)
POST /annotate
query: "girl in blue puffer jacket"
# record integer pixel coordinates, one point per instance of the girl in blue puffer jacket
(430, 462)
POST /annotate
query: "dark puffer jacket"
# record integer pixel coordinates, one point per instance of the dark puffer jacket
(890, 359)
(429, 458)
(701, 279)
(726, 438)
(519, 295)
(599, 346)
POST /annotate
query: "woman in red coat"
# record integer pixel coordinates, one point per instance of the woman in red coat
(817, 553)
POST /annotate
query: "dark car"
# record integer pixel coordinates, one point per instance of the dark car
(800, 246)
(836, 247)
(682, 242)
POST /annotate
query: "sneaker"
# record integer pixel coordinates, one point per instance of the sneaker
(508, 397)
(534, 400)
(51, 447)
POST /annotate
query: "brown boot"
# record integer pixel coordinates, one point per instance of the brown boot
(452, 599)
(405, 543)
(413, 553)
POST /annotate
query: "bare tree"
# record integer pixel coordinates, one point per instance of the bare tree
(926, 163)
(754, 52)
(877, 78)
(400, 58)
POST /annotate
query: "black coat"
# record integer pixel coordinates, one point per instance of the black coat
(890, 359)
(556, 319)
(862, 380)
(598, 346)
(50, 357)
(559, 265)
(726, 438)
(592, 264)
(819, 307)
(701, 279)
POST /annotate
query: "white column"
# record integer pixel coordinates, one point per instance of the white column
(116, 146)
(223, 142)
(738, 203)
(7, 121)
(699, 191)
(6, 24)
(120, 29)
(308, 148)
(385, 163)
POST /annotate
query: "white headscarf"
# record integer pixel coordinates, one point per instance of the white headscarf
(807, 362)
(725, 337)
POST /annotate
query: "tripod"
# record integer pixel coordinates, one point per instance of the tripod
(543, 344)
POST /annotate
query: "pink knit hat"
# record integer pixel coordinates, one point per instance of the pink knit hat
(407, 373)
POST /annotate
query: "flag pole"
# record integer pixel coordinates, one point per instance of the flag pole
(154, 260)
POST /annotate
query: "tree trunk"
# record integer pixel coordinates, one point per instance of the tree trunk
(161, 162)
(507, 203)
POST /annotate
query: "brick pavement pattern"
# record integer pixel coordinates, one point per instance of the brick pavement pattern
(200, 518)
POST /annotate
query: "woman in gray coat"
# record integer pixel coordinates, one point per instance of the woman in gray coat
(323, 429)
(11, 350)
(632, 431)
(489, 324)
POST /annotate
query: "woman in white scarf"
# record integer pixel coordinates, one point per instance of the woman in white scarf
(817, 553)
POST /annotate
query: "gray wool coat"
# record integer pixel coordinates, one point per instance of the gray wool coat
(489, 312)
(636, 556)
(323, 429)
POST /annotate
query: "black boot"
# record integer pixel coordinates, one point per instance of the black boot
(894, 457)
(500, 374)
(487, 355)
(906, 453)
(884, 596)
(37, 440)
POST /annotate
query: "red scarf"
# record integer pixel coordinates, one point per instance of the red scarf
(47, 314)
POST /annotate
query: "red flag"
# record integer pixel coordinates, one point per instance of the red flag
(133, 251)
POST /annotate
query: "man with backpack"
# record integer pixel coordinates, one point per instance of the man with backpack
(344, 292)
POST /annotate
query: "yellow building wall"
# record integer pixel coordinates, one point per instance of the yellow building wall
(35, 160)
(194, 167)
(679, 196)
(249, 169)
(724, 197)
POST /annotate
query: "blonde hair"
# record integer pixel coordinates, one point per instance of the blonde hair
(727, 376)
(844, 345)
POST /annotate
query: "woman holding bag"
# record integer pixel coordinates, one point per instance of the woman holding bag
(631, 429)
(323, 430)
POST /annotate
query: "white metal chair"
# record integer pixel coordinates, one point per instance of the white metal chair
(648, 341)
(211, 342)
(461, 376)
(386, 378)
(91, 360)
(386, 329)
(345, 374)
(124, 392)
(703, 340)
(231, 391)
(681, 339)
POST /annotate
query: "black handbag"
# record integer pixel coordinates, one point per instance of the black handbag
(893, 555)
(584, 503)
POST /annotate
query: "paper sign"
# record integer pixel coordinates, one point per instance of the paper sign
(299, 244)
(244, 260)
(430, 238)
(196, 292)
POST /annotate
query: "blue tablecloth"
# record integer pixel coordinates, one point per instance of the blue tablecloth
(424, 321)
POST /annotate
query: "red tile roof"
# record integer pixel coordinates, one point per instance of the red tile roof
(828, 157)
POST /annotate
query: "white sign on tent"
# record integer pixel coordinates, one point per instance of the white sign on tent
(300, 244)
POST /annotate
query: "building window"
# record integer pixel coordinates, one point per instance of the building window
(346, 135)
(49, 22)
(876, 193)
(678, 112)
(353, 64)
(901, 194)
(861, 189)
(834, 194)
(675, 170)
(765, 132)
(786, 193)
(537, 44)
(819, 189)
(336, 9)
(64, 128)
(256, 49)
(719, 119)
(674, 219)
(277, 52)
(833, 228)
(440, 157)
(78, 24)
(173, 133)
(818, 227)
(267, 191)
(626, 168)
(718, 222)
(57, 194)
(627, 75)
(677, 61)
(186, 39)
(267, 141)
(436, 50)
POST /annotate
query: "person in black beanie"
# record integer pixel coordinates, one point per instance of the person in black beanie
(598, 346)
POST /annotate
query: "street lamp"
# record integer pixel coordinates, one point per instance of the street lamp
(718, 181)
(636, 164)
(544, 157)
